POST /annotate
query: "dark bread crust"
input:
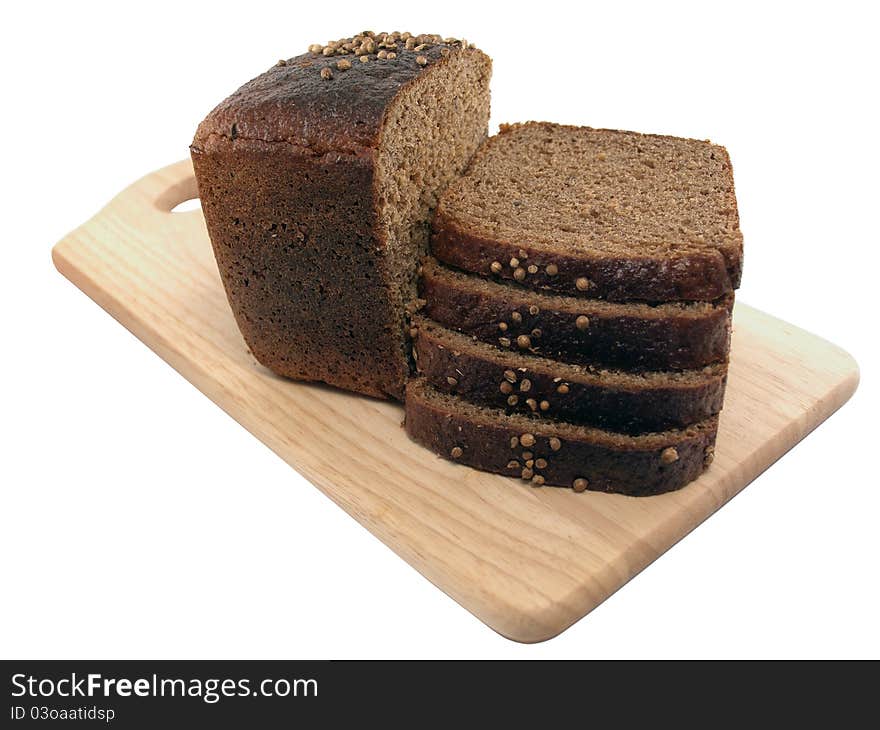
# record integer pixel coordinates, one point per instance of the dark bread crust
(286, 171)
(608, 462)
(696, 277)
(304, 312)
(626, 336)
(488, 376)
(293, 104)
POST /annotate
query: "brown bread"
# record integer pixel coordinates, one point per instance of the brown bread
(534, 386)
(556, 454)
(630, 336)
(595, 213)
(317, 181)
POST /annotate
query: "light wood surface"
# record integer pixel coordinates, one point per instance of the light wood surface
(528, 562)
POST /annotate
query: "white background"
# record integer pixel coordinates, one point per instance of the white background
(138, 520)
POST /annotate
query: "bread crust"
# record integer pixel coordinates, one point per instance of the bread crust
(638, 467)
(488, 376)
(271, 240)
(694, 277)
(624, 336)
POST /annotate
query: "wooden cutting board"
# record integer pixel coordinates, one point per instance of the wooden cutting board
(528, 562)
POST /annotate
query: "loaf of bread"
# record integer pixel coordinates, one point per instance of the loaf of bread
(596, 213)
(560, 454)
(317, 181)
(617, 400)
(624, 335)
(575, 330)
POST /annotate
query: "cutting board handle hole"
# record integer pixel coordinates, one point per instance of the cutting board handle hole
(187, 206)
(180, 197)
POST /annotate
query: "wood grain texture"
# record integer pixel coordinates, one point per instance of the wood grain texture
(528, 562)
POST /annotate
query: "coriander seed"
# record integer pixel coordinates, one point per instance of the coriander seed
(669, 455)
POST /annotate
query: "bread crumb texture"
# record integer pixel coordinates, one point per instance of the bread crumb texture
(578, 188)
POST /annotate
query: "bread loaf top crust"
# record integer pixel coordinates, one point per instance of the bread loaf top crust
(292, 102)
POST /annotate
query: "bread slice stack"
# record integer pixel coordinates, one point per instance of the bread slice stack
(577, 309)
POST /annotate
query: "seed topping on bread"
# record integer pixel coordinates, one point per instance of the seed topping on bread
(708, 455)
(382, 46)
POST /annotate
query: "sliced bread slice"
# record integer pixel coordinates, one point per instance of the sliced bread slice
(457, 364)
(595, 213)
(561, 454)
(630, 336)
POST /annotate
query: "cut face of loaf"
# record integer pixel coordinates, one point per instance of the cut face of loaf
(317, 181)
(595, 213)
(534, 386)
(629, 336)
(543, 452)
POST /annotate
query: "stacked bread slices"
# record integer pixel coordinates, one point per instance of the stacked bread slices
(576, 321)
